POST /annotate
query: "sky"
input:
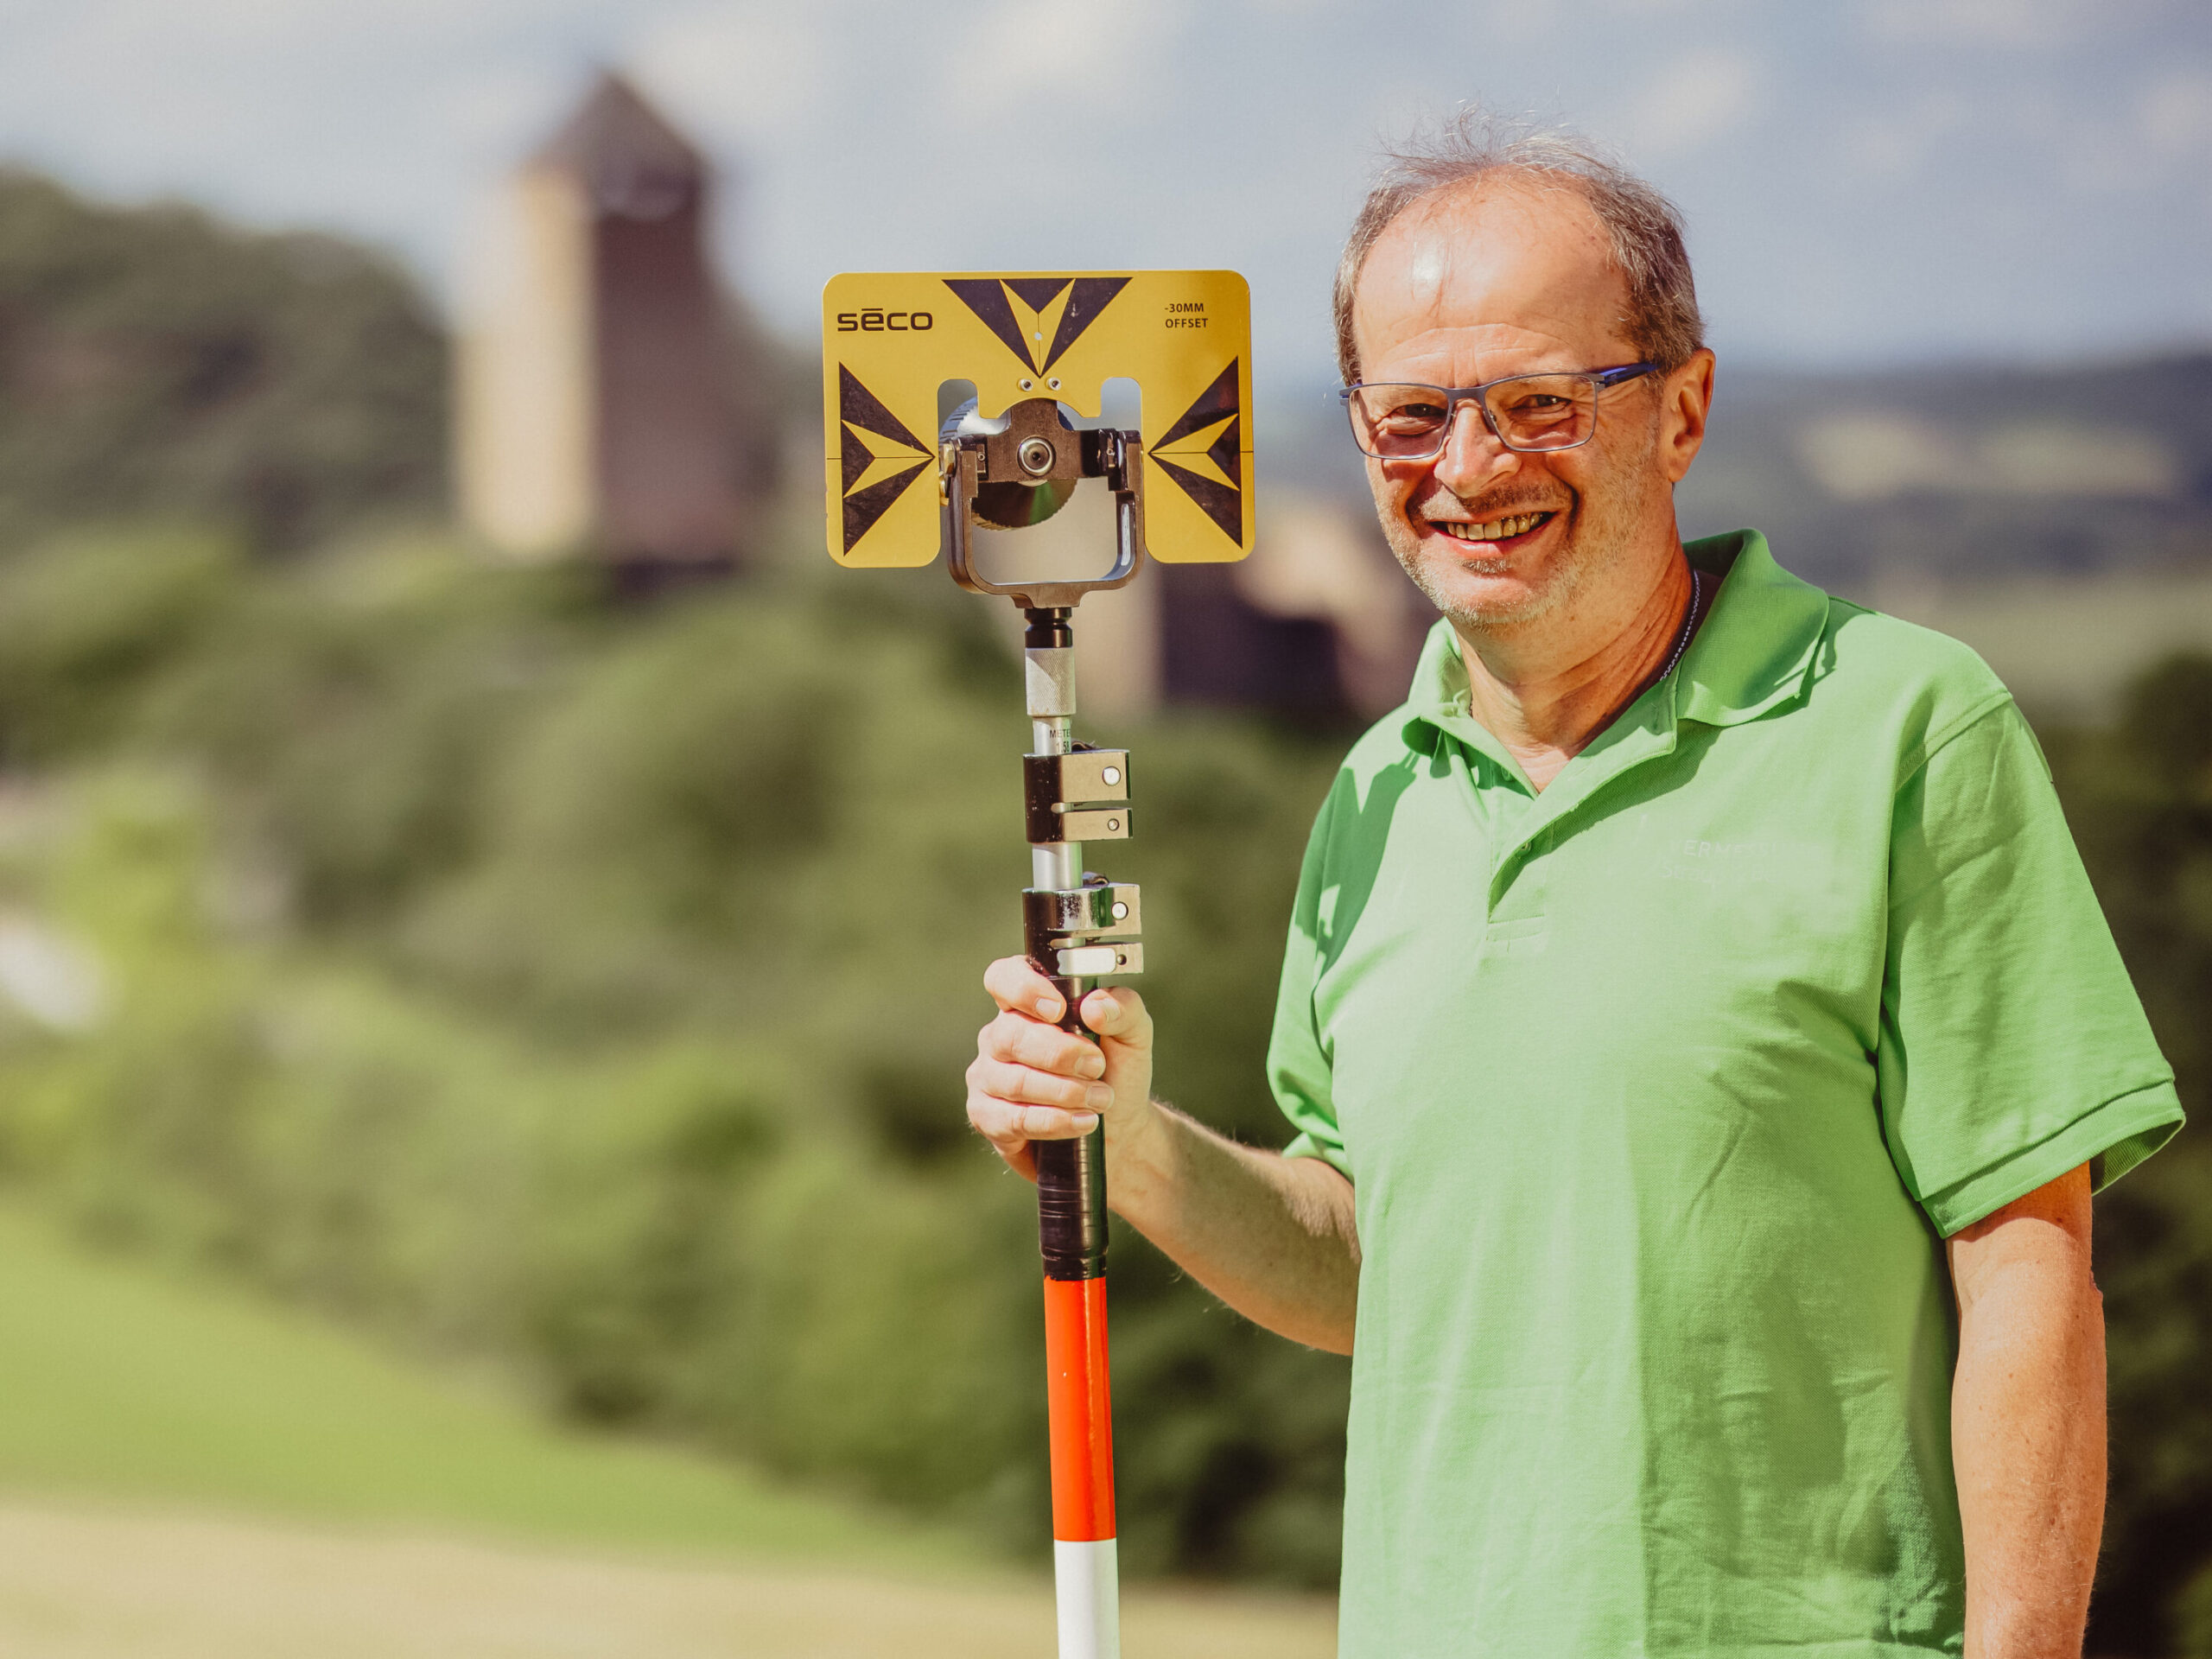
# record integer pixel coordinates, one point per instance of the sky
(1865, 181)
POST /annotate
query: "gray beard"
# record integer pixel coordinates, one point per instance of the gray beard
(1561, 583)
(1598, 529)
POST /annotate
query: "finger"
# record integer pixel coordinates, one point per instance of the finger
(1117, 1011)
(1003, 1080)
(1023, 1040)
(1008, 1124)
(1014, 983)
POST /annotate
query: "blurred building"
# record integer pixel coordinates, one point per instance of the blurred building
(1318, 625)
(607, 397)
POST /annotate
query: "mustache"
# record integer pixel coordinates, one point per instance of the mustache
(1435, 501)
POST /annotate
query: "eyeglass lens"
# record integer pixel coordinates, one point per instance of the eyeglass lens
(1537, 411)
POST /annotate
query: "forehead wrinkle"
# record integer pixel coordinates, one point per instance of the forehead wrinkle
(1533, 257)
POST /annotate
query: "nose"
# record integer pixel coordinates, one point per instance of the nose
(1473, 459)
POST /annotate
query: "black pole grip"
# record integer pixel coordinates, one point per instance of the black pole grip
(1072, 1205)
(1071, 1180)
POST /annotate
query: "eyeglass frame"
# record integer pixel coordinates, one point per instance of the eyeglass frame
(1600, 379)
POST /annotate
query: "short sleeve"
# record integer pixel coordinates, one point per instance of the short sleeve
(2013, 1047)
(1298, 1063)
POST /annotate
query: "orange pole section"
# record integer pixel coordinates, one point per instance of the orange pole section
(1080, 1412)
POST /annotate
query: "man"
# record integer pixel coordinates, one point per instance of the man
(1702, 1037)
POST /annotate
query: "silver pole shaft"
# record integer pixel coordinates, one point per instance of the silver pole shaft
(1049, 674)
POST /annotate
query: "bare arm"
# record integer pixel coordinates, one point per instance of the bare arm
(2028, 1422)
(1273, 1236)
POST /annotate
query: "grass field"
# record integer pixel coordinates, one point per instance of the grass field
(189, 1473)
(125, 1380)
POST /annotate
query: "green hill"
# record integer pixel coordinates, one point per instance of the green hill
(121, 1379)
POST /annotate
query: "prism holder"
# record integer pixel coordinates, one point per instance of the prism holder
(1037, 349)
(1052, 341)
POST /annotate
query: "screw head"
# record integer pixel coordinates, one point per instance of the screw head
(1110, 775)
(1121, 912)
(1113, 823)
(1036, 456)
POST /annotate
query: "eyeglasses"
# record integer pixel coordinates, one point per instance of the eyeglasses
(1526, 412)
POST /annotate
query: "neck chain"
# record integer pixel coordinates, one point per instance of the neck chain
(1689, 626)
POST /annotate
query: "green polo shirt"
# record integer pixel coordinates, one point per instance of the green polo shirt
(1659, 1091)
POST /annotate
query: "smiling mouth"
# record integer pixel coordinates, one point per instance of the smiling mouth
(1495, 530)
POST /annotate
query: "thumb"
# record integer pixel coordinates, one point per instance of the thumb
(1123, 1025)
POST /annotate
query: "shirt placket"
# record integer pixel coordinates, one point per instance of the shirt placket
(1520, 842)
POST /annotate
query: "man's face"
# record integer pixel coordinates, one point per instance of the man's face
(1493, 280)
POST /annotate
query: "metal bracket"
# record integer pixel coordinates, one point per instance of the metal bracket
(1059, 790)
(1097, 961)
(1098, 907)
(1065, 927)
(984, 474)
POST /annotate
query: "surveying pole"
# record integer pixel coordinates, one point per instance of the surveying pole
(1019, 357)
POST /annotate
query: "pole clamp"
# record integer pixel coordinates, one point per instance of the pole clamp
(1085, 932)
(1079, 796)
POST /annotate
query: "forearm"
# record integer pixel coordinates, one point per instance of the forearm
(2028, 1437)
(1272, 1237)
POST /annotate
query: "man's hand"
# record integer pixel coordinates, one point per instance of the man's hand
(1032, 1081)
(2028, 1422)
(1273, 1236)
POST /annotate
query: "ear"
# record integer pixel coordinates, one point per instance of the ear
(1685, 401)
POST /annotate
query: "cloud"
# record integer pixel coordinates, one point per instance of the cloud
(2011, 24)
(745, 72)
(2174, 116)
(1892, 143)
(1699, 97)
(1067, 58)
(1176, 131)
(2131, 148)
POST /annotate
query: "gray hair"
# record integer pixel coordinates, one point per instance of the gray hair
(1644, 228)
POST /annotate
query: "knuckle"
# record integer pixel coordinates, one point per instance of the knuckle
(1005, 978)
(1042, 1046)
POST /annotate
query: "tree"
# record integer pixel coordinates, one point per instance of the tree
(2140, 802)
(155, 360)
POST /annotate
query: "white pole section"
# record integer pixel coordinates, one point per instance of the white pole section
(1086, 1582)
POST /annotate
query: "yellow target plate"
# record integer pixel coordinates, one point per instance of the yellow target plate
(891, 340)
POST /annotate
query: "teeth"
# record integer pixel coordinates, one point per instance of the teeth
(1496, 530)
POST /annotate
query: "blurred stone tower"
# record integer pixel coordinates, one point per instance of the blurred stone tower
(608, 402)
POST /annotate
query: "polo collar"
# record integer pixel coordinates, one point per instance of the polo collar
(1757, 649)
(1754, 652)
